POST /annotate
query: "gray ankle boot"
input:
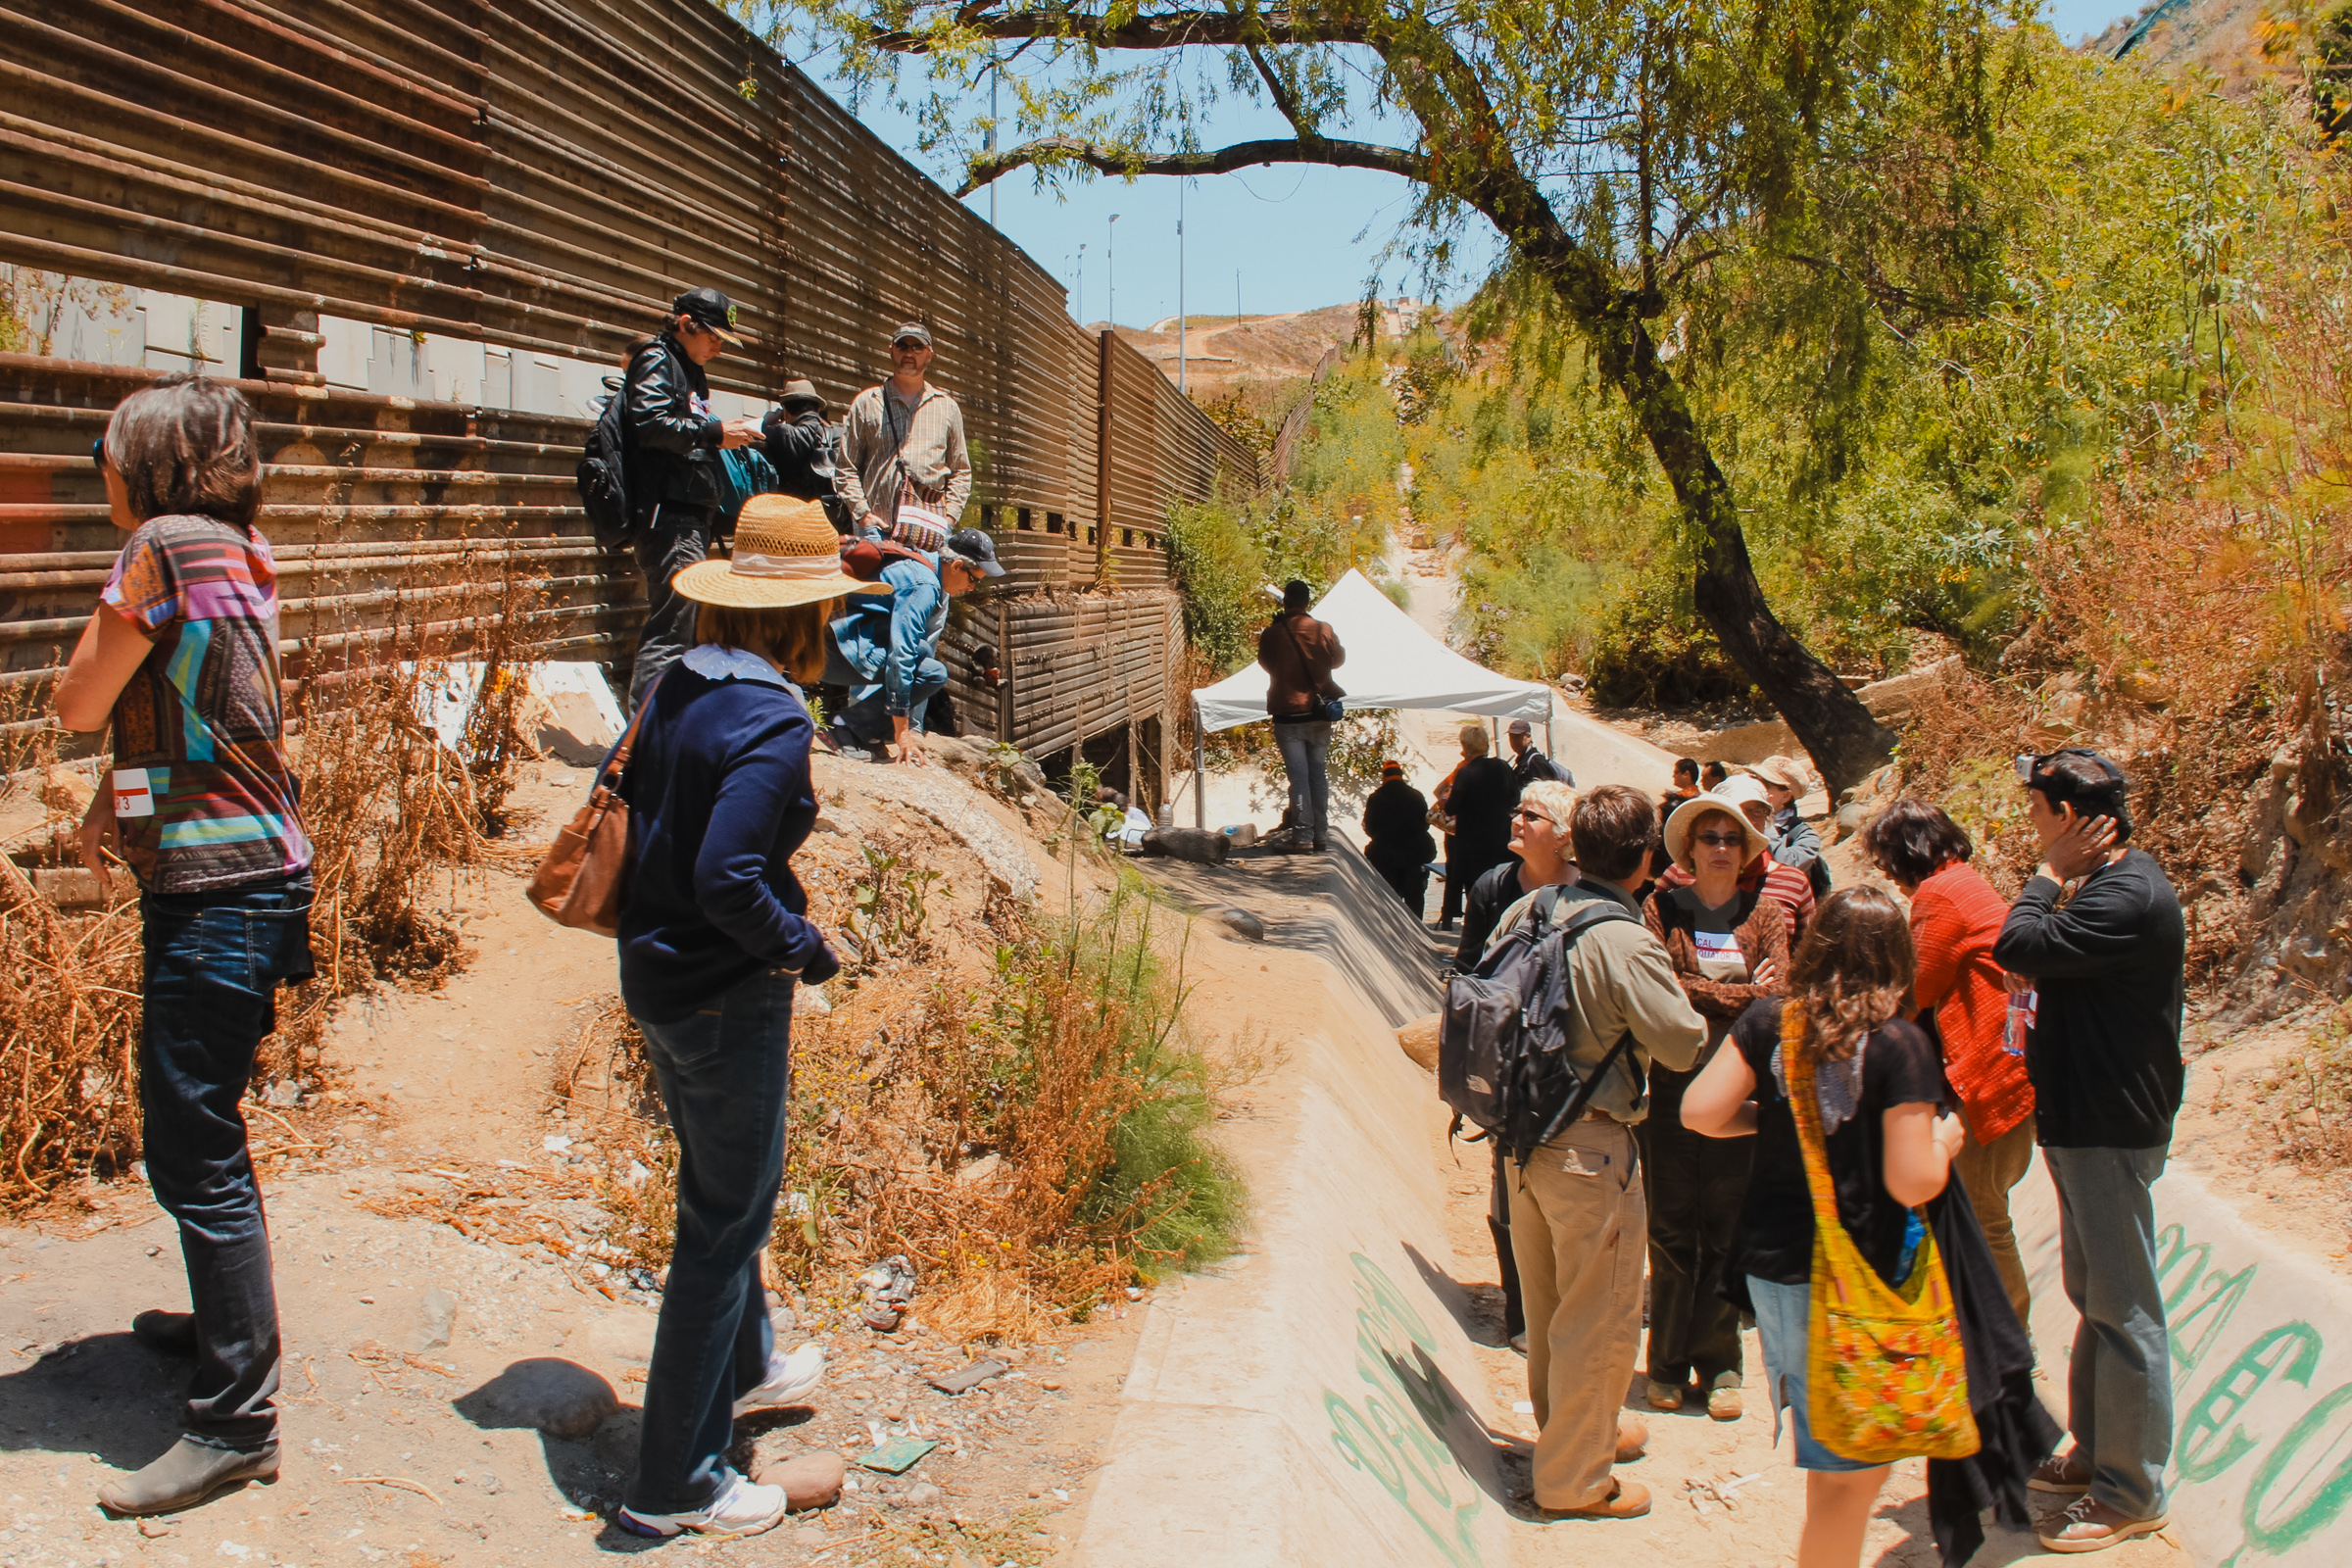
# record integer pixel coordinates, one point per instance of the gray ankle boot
(188, 1474)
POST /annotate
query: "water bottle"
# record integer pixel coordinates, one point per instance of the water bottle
(2024, 1008)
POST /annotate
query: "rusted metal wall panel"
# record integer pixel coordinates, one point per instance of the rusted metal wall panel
(537, 177)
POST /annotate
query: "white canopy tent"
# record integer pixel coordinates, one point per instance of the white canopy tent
(1392, 663)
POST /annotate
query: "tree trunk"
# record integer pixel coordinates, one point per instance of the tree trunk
(1845, 742)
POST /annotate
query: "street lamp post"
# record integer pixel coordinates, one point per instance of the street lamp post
(1183, 361)
(1110, 271)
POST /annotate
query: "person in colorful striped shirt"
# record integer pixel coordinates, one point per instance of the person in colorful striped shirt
(180, 656)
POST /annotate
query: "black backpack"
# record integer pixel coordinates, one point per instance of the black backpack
(603, 472)
(1502, 1043)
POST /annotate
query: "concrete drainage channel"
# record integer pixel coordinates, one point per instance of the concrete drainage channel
(2262, 1376)
(1305, 1404)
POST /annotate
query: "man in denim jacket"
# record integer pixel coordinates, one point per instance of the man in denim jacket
(886, 647)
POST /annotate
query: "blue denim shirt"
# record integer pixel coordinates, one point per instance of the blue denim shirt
(884, 637)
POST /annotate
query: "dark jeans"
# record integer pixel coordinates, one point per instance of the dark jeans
(724, 1074)
(1411, 883)
(680, 537)
(1498, 1226)
(868, 716)
(213, 962)
(1696, 1189)
(1306, 747)
(2118, 1381)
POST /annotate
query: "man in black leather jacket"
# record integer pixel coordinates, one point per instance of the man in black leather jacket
(673, 469)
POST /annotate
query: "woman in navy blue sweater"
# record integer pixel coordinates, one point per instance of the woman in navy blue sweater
(713, 936)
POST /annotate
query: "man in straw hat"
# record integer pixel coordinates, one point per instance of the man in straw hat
(675, 441)
(902, 443)
(886, 649)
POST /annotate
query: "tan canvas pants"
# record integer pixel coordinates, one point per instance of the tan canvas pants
(1578, 1226)
(1987, 1171)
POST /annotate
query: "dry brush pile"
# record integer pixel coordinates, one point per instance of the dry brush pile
(1014, 1105)
(391, 812)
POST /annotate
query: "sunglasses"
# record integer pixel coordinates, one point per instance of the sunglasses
(98, 453)
(2028, 764)
(1721, 840)
(1526, 816)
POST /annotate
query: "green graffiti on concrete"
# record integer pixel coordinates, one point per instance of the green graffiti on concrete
(1393, 1434)
(2308, 1506)
(2195, 1332)
(2292, 1349)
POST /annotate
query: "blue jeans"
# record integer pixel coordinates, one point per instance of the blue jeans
(2119, 1382)
(1305, 749)
(680, 536)
(725, 1073)
(213, 962)
(1784, 1324)
(868, 717)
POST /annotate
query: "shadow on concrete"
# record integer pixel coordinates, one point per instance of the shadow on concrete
(106, 1394)
(1333, 905)
(1501, 1463)
(1477, 1308)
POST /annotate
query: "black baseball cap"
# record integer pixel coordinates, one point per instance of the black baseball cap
(975, 549)
(709, 309)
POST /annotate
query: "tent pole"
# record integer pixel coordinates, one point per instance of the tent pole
(1200, 751)
(1548, 750)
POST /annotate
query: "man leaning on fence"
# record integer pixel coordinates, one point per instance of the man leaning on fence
(902, 443)
(673, 468)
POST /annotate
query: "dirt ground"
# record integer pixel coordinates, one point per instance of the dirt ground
(417, 1441)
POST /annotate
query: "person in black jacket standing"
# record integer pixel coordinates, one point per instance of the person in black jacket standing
(1481, 802)
(1396, 837)
(2097, 933)
(801, 445)
(674, 442)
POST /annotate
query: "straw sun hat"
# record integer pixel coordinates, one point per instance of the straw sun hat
(1728, 797)
(785, 554)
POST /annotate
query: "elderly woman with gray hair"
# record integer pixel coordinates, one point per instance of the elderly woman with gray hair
(180, 658)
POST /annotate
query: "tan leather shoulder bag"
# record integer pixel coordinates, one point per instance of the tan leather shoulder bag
(583, 880)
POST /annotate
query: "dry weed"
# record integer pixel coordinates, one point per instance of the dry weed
(390, 811)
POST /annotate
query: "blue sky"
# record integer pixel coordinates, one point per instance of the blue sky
(1285, 239)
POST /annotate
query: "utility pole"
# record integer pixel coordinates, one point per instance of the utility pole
(1081, 285)
(1110, 271)
(1183, 362)
(1236, 296)
(994, 72)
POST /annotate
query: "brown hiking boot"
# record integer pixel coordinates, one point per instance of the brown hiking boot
(1632, 1439)
(1627, 1499)
(2089, 1524)
(2067, 1475)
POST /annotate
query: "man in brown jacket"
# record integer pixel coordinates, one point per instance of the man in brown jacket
(1298, 653)
(1579, 1217)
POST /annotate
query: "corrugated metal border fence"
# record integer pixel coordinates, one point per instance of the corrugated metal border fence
(536, 178)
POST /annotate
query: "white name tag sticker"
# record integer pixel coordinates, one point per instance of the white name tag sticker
(1723, 944)
(132, 797)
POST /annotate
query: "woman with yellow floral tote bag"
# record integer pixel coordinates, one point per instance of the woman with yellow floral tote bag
(1835, 1068)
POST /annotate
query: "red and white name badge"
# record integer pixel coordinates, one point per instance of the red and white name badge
(132, 797)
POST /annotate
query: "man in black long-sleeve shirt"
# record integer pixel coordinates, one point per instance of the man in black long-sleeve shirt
(2106, 962)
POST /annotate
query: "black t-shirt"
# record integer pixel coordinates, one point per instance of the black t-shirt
(1900, 1066)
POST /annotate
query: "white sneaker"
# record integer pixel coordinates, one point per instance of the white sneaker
(745, 1508)
(790, 1379)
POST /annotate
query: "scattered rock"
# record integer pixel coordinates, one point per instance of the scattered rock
(1419, 1041)
(976, 1172)
(66, 793)
(1241, 923)
(811, 1536)
(922, 1495)
(562, 1399)
(154, 1528)
(809, 1480)
(970, 1376)
(491, 1486)
(436, 1318)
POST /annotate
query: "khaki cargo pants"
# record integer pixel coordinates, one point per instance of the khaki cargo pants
(1579, 1227)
